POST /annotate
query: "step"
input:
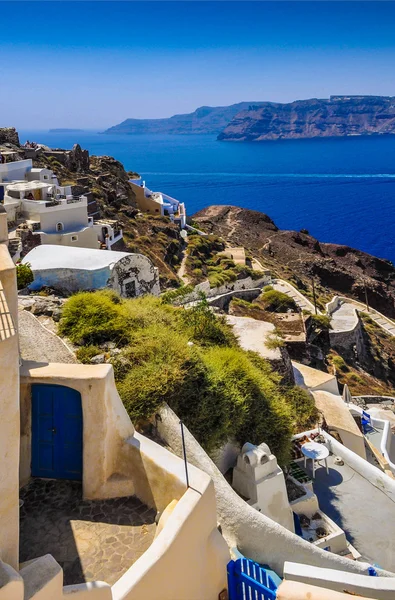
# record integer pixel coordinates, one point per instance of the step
(42, 578)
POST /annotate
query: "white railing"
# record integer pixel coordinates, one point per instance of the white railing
(386, 437)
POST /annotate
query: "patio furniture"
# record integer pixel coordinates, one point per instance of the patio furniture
(366, 422)
(316, 452)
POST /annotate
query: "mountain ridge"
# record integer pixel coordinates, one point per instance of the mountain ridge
(338, 116)
(205, 119)
(258, 121)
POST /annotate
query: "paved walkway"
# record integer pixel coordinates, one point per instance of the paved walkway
(364, 512)
(283, 286)
(38, 344)
(344, 318)
(91, 540)
(253, 334)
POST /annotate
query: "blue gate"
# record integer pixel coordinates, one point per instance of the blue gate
(56, 432)
(249, 581)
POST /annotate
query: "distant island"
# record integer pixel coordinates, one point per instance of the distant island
(259, 121)
(206, 119)
(336, 117)
(64, 130)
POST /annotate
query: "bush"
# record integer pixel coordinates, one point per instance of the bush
(92, 318)
(321, 322)
(24, 275)
(218, 390)
(339, 363)
(275, 301)
(178, 294)
(205, 327)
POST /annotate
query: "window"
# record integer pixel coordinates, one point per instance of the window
(45, 176)
(59, 226)
(74, 238)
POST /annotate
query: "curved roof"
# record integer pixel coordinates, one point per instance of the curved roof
(48, 256)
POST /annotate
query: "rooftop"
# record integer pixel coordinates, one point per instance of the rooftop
(49, 256)
(335, 411)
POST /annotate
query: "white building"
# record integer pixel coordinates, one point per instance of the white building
(77, 269)
(33, 195)
(158, 203)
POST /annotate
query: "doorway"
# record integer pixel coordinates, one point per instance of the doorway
(57, 431)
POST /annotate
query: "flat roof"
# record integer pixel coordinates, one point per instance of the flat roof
(28, 185)
(336, 412)
(49, 256)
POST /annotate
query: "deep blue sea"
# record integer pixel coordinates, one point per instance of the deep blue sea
(342, 190)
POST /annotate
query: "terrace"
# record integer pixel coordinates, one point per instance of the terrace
(91, 540)
(359, 499)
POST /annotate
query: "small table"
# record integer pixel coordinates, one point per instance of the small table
(316, 452)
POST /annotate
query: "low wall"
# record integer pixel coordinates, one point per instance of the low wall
(345, 340)
(240, 285)
(187, 560)
(386, 438)
(380, 588)
(332, 305)
(256, 536)
(223, 301)
(376, 477)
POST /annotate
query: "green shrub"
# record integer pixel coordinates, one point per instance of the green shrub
(218, 390)
(24, 275)
(172, 295)
(321, 322)
(268, 288)
(94, 317)
(204, 327)
(275, 301)
(339, 363)
(274, 341)
(85, 353)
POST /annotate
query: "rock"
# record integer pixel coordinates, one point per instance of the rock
(9, 135)
(40, 308)
(98, 359)
(115, 352)
(56, 315)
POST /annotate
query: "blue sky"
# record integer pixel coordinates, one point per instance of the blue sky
(94, 64)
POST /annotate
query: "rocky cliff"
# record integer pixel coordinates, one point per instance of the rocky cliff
(206, 119)
(299, 257)
(338, 116)
(9, 135)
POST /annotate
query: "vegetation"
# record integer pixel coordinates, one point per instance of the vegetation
(189, 359)
(322, 322)
(275, 301)
(86, 353)
(24, 275)
(177, 294)
(205, 261)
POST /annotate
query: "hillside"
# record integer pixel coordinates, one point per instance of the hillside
(205, 119)
(111, 196)
(338, 116)
(298, 257)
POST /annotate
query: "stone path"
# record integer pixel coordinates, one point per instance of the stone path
(344, 318)
(92, 540)
(38, 344)
(300, 300)
(253, 334)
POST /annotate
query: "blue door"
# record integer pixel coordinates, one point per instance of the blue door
(56, 432)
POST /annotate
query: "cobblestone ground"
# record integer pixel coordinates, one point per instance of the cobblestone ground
(91, 539)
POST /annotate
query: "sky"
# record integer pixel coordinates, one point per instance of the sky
(93, 64)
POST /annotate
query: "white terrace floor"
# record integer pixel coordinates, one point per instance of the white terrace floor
(365, 513)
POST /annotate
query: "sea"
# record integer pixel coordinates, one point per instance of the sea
(342, 190)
